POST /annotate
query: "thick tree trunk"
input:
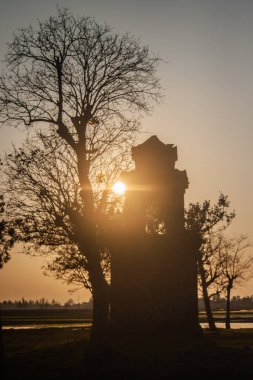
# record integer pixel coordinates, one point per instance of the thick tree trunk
(100, 292)
(99, 332)
(229, 287)
(209, 313)
(86, 231)
(88, 242)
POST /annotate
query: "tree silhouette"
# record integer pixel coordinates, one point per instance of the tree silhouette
(236, 266)
(208, 221)
(89, 84)
(45, 208)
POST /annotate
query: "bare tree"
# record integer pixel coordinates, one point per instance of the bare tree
(212, 257)
(90, 84)
(208, 221)
(43, 204)
(237, 264)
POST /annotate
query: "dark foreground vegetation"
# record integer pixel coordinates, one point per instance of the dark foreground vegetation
(62, 354)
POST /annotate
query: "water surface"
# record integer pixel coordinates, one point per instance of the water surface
(220, 325)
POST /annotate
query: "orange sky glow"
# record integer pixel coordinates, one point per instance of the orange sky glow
(207, 80)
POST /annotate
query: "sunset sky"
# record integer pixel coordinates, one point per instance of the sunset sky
(207, 80)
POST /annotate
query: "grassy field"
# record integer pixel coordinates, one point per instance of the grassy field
(53, 353)
(44, 354)
(60, 354)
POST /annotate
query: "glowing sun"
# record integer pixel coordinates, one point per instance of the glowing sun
(119, 188)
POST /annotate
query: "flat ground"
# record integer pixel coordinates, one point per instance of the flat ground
(79, 316)
(51, 354)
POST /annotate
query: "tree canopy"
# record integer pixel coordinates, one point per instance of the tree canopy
(78, 79)
(72, 72)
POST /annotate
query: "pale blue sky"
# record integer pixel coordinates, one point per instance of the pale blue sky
(208, 88)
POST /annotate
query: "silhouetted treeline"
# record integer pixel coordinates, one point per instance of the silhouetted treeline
(43, 303)
(237, 303)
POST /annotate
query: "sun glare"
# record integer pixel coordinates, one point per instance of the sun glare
(119, 188)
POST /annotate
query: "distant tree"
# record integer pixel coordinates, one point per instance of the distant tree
(237, 265)
(55, 304)
(69, 303)
(208, 221)
(212, 257)
(89, 84)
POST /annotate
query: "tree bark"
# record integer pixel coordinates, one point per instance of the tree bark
(229, 287)
(100, 293)
(88, 243)
(209, 313)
